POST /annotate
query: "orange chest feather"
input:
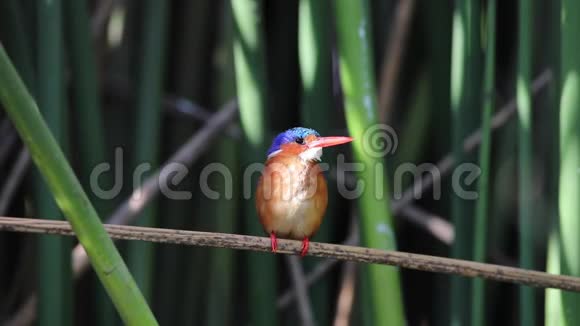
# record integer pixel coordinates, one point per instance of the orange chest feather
(291, 197)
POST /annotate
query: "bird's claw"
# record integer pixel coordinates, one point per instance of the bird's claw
(274, 242)
(305, 244)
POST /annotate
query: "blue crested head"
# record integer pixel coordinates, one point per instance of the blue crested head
(296, 134)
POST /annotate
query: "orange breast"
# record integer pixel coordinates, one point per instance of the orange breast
(291, 197)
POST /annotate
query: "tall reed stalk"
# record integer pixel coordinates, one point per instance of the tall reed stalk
(382, 284)
(17, 40)
(439, 25)
(250, 70)
(525, 156)
(465, 90)
(149, 92)
(191, 53)
(53, 252)
(482, 207)
(570, 155)
(553, 313)
(315, 59)
(223, 267)
(90, 127)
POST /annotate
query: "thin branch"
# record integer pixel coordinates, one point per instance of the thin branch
(14, 178)
(436, 225)
(26, 313)
(185, 107)
(319, 271)
(431, 223)
(301, 289)
(424, 263)
(346, 295)
(445, 232)
(392, 56)
(173, 105)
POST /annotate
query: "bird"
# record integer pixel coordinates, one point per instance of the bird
(292, 194)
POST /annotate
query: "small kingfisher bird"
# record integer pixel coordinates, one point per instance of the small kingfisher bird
(292, 196)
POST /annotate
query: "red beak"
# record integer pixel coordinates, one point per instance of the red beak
(329, 141)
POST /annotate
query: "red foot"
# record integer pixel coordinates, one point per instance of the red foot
(274, 242)
(305, 244)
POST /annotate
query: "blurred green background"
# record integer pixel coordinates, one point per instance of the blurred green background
(145, 76)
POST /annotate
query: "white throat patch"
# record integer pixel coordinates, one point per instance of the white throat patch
(311, 154)
(274, 153)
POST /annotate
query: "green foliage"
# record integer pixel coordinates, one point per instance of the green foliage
(223, 268)
(314, 48)
(250, 70)
(149, 88)
(356, 66)
(525, 151)
(86, 103)
(465, 104)
(54, 258)
(570, 156)
(482, 209)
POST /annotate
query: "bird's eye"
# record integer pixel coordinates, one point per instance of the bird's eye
(299, 140)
